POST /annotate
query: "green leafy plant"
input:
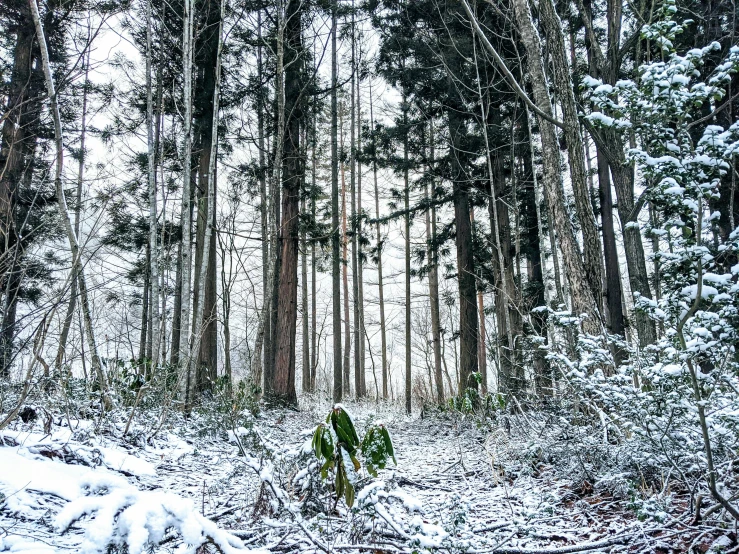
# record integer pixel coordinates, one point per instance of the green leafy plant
(465, 403)
(337, 446)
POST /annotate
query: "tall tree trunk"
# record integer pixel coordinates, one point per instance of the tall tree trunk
(271, 310)
(262, 337)
(383, 336)
(482, 350)
(16, 157)
(465, 270)
(468, 322)
(150, 324)
(304, 304)
(151, 163)
(186, 209)
(145, 301)
(174, 349)
(611, 145)
(353, 193)
(433, 273)
(62, 203)
(276, 199)
(206, 128)
(593, 256)
(623, 180)
(360, 254)
(313, 268)
(163, 237)
(510, 375)
(407, 232)
(345, 282)
(338, 388)
(206, 270)
(583, 301)
(226, 288)
(534, 234)
(614, 308)
(10, 312)
(287, 300)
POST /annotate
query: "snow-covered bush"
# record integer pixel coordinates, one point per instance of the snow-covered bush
(227, 409)
(133, 521)
(679, 397)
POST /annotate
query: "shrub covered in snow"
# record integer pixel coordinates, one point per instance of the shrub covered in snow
(678, 398)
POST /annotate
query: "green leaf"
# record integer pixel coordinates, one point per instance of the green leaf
(340, 482)
(316, 443)
(388, 443)
(377, 448)
(354, 461)
(327, 445)
(323, 444)
(344, 428)
(349, 495)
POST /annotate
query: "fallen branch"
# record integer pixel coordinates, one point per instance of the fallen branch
(582, 547)
(368, 547)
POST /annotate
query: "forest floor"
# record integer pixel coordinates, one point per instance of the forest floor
(85, 488)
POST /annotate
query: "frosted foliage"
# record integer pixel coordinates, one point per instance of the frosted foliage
(660, 396)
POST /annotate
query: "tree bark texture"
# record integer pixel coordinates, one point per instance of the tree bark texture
(583, 301)
(338, 389)
(292, 171)
(592, 252)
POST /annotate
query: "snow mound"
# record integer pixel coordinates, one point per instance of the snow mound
(110, 509)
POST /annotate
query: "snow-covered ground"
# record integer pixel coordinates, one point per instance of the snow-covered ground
(196, 487)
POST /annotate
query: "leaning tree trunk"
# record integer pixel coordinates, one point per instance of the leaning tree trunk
(583, 301)
(505, 294)
(72, 306)
(62, 203)
(592, 252)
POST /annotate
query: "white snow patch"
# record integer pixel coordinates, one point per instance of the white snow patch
(411, 503)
